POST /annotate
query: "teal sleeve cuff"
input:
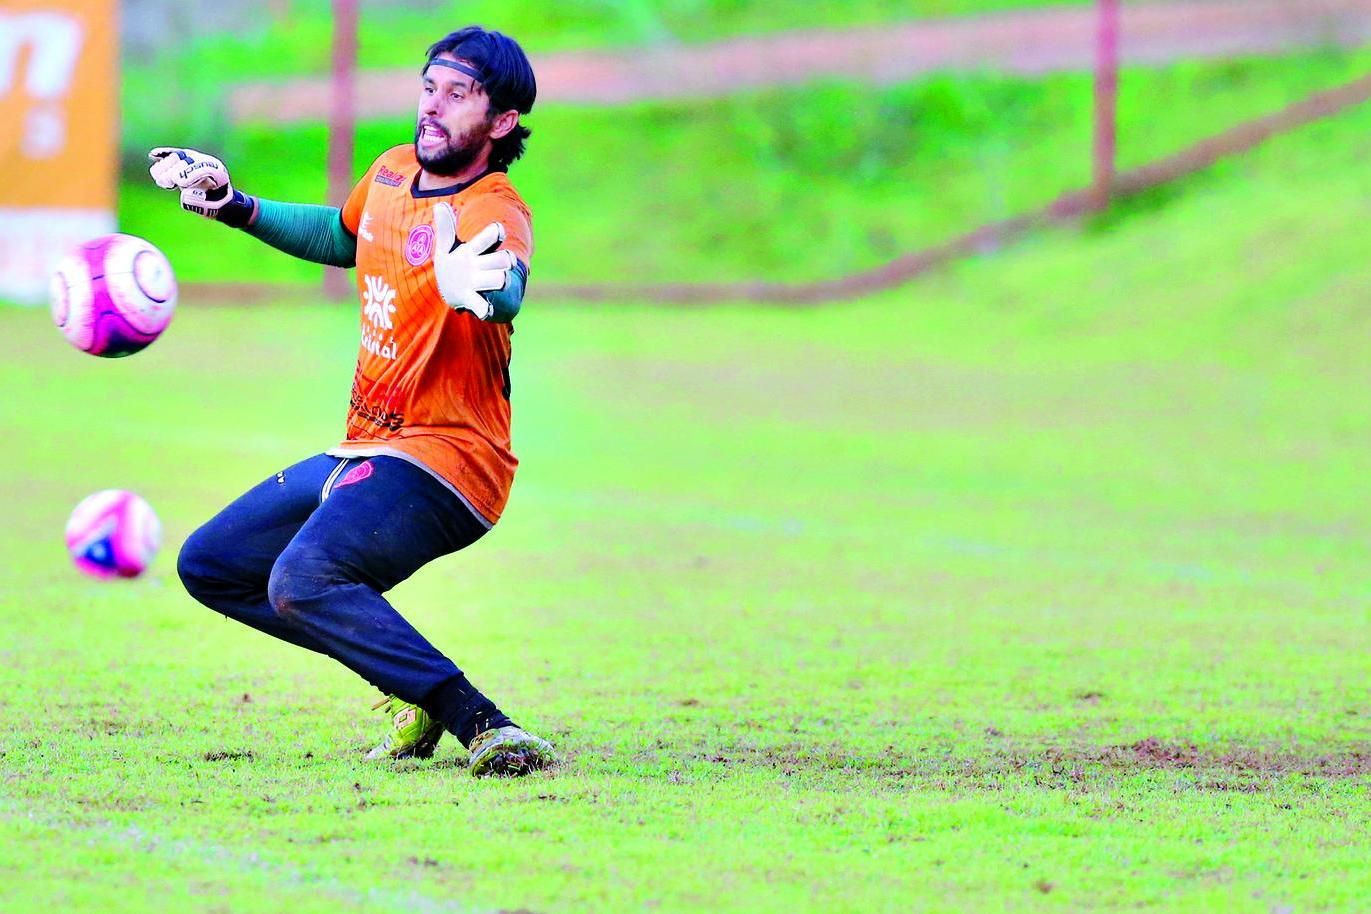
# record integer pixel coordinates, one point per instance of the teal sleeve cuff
(314, 233)
(507, 301)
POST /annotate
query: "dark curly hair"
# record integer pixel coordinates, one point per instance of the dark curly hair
(507, 78)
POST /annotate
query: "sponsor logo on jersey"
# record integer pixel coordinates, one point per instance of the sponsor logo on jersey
(419, 247)
(385, 176)
(375, 414)
(380, 346)
(378, 307)
(364, 229)
(378, 302)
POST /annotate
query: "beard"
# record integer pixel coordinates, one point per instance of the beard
(456, 155)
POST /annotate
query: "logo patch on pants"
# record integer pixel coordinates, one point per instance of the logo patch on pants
(356, 474)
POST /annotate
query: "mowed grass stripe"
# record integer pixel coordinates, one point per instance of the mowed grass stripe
(146, 871)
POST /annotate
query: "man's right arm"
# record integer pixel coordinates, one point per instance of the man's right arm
(314, 233)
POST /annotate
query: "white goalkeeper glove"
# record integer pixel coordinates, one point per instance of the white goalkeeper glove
(204, 184)
(465, 270)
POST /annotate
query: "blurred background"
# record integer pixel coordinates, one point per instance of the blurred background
(732, 141)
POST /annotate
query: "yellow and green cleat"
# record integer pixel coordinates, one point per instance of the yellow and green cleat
(413, 733)
(509, 752)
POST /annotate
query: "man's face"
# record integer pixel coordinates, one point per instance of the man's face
(453, 125)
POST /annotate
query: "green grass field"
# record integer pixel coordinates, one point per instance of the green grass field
(1037, 585)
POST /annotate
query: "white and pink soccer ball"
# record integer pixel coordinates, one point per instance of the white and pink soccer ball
(113, 533)
(113, 295)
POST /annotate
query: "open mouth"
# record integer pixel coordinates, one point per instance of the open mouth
(431, 134)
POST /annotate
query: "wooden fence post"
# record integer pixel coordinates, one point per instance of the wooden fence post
(1106, 102)
(341, 124)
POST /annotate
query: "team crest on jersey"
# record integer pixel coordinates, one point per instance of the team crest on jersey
(385, 176)
(419, 247)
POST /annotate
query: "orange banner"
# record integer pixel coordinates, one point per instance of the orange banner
(59, 106)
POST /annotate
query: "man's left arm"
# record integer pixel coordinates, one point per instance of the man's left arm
(486, 274)
(505, 303)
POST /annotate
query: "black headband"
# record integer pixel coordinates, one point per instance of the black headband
(459, 66)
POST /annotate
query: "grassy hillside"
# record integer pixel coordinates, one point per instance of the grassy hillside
(393, 34)
(1038, 585)
(792, 184)
(298, 40)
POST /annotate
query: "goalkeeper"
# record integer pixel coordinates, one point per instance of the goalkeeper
(441, 242)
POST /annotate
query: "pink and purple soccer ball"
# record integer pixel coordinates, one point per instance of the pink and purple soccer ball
(113, 295)
(113, 533)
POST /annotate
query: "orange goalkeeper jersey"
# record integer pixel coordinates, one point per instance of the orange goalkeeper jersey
(432, 384)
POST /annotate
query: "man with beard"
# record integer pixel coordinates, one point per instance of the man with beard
(441, 242)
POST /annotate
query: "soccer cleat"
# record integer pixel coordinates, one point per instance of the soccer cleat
(510, 752)
(413, 734)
